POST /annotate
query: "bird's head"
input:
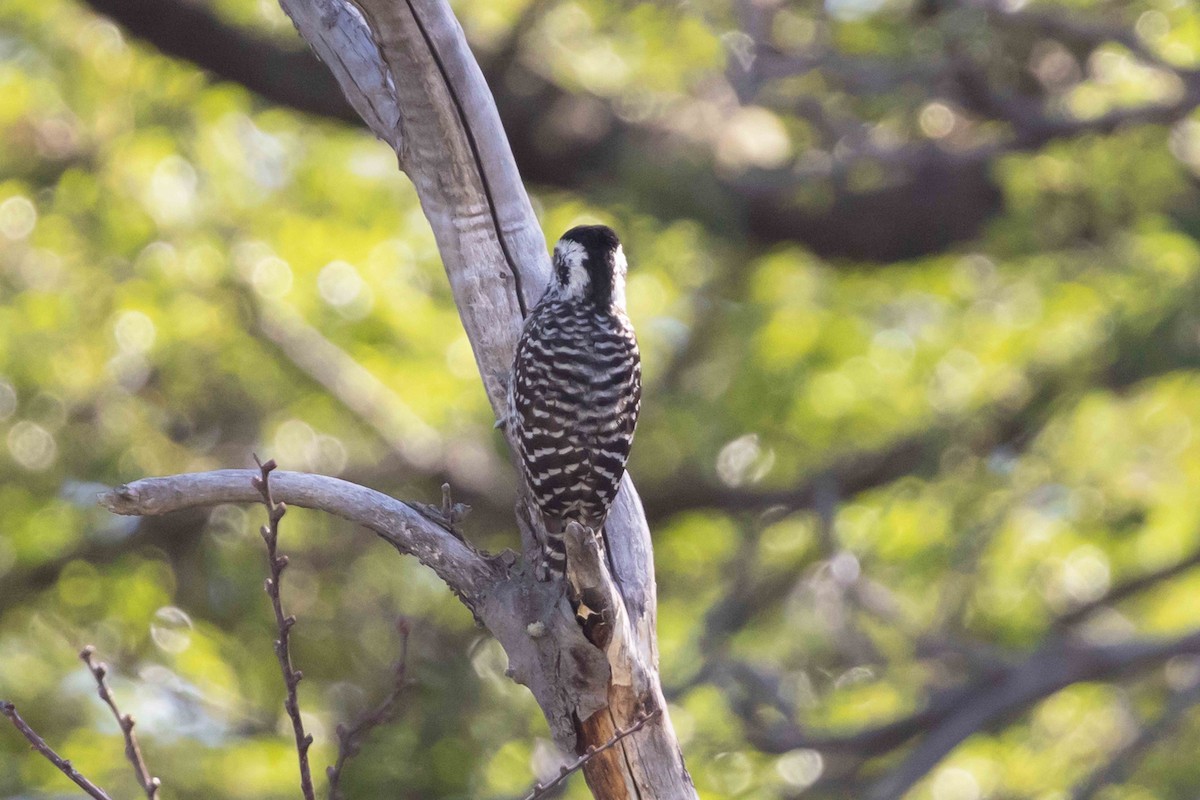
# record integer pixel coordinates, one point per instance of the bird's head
(589, 266)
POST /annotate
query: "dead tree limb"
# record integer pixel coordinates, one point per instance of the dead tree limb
(564, 772)
(546, 648)
(402, 526)
(407, 69)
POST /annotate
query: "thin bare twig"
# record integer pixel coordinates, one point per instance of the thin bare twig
(540, 791)
(39, 744)
(133, 752)
(447, 515)
(350, 740)
(291, 677)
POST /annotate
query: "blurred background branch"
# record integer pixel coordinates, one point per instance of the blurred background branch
(933, 194)
(351, 737)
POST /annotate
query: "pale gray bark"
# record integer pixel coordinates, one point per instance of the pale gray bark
(405, 67)
(412, 533)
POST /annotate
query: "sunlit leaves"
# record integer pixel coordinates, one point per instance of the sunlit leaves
(160, 235)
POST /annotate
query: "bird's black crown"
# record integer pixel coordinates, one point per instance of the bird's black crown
(596, 239)
(590, 266)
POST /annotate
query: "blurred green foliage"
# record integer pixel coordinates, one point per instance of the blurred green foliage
(163, 238)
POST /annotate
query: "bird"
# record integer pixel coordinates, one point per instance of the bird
(575, 390)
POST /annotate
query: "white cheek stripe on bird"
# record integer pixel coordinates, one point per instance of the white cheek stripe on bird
(620, 267)
(572, 254)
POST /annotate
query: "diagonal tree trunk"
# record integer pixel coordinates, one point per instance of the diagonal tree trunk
(405, 67)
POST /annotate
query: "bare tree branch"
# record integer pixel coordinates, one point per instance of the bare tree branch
(192, 32)
(867, 742)
(935, 195)
(133, 752)
(953, 714)
(854, 473)
(551, 153)
(39, 744)
(461, 567)
(449, 140)
(545, 645)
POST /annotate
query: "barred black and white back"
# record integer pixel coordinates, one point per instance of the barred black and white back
(576, 388)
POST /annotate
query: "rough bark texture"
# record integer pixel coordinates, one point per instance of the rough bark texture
(404, 65)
